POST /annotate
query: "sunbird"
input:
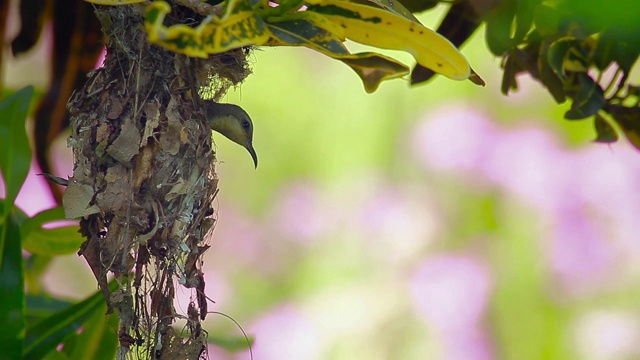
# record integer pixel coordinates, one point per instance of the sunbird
(234, 123)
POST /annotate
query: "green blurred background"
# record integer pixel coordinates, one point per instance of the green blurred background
(445, 221)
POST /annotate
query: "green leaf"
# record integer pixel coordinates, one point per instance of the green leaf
(615, 45)
(231, 343)
(524, 18)
(627, 52)
(627, 118)
(552, 82)
(12, 301)
(549, 77)
(588, 101)
(15, 157)
(605, 133)
(55, 241)
(56, 355)
(519, 60)
(546, 20)
(45, 335)
(633, 90)
(34, 267)
(498, 27)
(567, 54)
(98, 339)
(42, 306)
(265, 10)
(605, 50)
(509, 81)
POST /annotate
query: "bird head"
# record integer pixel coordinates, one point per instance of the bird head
(234, 123)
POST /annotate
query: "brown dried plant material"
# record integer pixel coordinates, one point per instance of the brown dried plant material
(126, 145)
(144, 180)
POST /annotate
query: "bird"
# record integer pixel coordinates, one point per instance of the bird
(234, 123)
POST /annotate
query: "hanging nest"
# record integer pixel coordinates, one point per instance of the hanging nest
(144, 179)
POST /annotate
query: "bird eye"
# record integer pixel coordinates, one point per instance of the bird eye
(246, 125)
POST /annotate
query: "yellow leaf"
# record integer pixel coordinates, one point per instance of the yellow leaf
(178, 38)
(383, 29)
(308, 29)
(331, 29)
(237, 30)
(154, 17)
(238, 27)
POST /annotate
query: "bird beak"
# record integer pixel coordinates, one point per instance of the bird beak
(254, 156)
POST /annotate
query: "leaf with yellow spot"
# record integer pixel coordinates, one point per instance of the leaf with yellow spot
(372, 68)
(393, 6)
(238, 27)
(383, 29)
(317, 25)
(567, 54)
(283, 7)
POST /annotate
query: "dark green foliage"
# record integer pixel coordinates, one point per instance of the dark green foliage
(34, 324)
(566, 45)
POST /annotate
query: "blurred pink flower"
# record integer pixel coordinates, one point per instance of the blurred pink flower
(453, 138)
(451, 293)
(589, 195)
(467, 344)
(237, 236)
(284, 333)
(607, 334)
(579, 257)
(396, 224)
(606, 180)
(530, 165)
(299, 213)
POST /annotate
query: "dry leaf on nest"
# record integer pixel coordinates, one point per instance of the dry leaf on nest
(76, 200)
(170, 139)
(126, 145)
(152, 112)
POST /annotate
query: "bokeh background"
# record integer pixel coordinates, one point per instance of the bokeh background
(445, 221)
